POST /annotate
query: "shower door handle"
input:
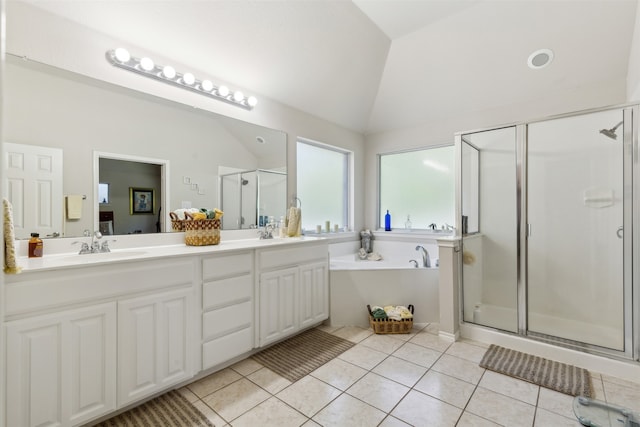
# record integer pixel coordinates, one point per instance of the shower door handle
(620, 232)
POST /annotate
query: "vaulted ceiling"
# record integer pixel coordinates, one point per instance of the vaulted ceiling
(377, 65)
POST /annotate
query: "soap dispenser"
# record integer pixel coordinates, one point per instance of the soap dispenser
(407, 223)
(387, 221)
(35, 246)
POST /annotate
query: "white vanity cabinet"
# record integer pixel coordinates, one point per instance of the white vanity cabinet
(71, 360)
(154, 345)
(61, 367)
(227, 307)
(292, 290)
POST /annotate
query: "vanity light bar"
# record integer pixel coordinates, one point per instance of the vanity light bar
(121, 58)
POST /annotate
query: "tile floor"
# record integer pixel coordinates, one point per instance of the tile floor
(416, 379)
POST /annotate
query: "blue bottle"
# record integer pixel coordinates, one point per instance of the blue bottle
(387, 221)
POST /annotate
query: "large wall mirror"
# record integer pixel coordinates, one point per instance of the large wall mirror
(50, 107)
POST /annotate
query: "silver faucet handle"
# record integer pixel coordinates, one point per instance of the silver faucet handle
(105, 246)
(84, 247)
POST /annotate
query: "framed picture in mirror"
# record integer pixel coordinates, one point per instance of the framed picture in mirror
(141, 200)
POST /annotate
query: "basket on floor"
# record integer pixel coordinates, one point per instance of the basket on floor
(201, 232)
(388, 326)
(176, 222)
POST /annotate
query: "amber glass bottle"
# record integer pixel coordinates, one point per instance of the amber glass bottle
(35, 246)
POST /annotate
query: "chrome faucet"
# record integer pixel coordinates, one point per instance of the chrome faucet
(94, 248)
(426, 261)
(267, 231)
(433, 226)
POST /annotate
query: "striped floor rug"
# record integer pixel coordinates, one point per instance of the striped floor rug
(169, 409)
(556, 376)
(298, 356)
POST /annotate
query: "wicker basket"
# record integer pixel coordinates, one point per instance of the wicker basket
(388, 326)
(176, 223)
(201, 232)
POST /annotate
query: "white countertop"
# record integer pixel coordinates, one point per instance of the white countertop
(73, 259)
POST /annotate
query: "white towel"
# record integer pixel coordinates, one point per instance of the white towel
(294, 227)
(74, 206)
(10, 265)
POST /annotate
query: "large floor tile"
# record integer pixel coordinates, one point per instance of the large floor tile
(427, 339)
(558, 403)
(339, 373)
(418, 409)
(401, 371)
(622, 395)
(466, 351)
(501, 409)
(446, 388)
(393, 422)
(214, 382)
(510, 386)
(271, 413)
(378, 391)
(384, 343)
(363, 356)
(236, 399)
(470, 420)
(462, 369)
(349, 411)
(417, 354)
(545, 418)
(269, 380)
(188, 394)
(352, 333)
(308, 395)
(246, 366)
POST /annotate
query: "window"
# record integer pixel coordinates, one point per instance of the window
(103, 193)
(420, 185)
(323, 180)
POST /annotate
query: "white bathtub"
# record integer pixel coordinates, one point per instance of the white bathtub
(354, 284)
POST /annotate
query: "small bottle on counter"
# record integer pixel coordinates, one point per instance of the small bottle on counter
(35, 246)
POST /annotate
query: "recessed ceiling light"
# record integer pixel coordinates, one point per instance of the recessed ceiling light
(540, 58)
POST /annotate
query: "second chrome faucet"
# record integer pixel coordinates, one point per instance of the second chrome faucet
(426, 261)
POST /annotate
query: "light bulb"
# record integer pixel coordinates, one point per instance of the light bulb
(188, 79)
(147, 64)
(169, 72)
(206, 85)
(238, 96)
(252, 101)
(122, 55)
(223, 91)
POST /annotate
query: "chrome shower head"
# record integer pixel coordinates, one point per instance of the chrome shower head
(611, 133)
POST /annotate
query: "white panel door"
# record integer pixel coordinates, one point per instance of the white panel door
(33, 185)
(61, 367)
(314, 294)
(154, 345)
(278, 304)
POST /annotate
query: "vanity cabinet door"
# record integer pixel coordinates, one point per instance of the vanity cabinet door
(61, 367)
(155, 347)
(314, 294)
(278, 304)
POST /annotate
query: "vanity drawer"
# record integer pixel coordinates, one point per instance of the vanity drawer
(226, 291)
(227, 347)
(291, 256)
(223, 320)
(227, 266)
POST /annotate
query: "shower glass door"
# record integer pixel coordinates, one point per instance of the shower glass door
(575, 214)
(489, 243)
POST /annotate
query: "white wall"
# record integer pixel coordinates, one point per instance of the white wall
(49, 39)
(633, 72)
(442, 132)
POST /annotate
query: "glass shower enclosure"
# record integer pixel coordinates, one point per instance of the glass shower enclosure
(548, 250)
(249, 198)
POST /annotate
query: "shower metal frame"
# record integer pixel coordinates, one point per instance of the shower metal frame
(631, 240)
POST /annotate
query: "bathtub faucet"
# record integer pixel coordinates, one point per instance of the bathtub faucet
(426, 261)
